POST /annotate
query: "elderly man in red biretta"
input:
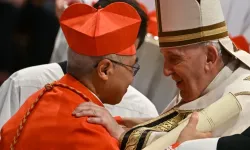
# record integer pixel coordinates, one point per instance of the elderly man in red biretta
(99, 71)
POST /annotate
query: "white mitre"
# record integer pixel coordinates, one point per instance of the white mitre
(186, 22)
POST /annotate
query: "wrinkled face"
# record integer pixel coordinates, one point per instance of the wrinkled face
(118, 75)
(187, 67)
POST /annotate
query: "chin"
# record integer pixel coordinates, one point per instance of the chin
(186, 97)
(114, 100)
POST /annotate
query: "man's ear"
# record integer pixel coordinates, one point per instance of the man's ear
(212, 57)
(105, 69)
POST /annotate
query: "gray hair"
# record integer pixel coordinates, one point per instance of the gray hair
(81, 65)
(225, 56)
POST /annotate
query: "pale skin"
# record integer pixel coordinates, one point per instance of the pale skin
(106, 73)
(100, 115)
(192, 68)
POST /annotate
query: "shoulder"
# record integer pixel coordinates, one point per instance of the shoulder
(242, 83)
(37, 75)
(34, 71)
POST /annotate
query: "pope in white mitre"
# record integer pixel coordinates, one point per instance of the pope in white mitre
(206, 66)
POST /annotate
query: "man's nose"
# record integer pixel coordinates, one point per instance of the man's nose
(167, 71)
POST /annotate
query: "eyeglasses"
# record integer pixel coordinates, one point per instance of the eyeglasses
(135, 67)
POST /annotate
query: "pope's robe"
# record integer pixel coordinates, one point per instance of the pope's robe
(50, 124)
(233, 78)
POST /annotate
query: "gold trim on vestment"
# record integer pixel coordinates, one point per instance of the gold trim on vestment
(141, 133)
(242, 93)
(146, 139)
(157, 118)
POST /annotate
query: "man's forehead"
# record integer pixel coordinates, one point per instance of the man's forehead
(176, 50)
(173, 50)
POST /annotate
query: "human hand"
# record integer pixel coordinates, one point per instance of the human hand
(99, 115)
(190, 132)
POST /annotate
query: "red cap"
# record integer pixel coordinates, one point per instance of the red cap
(92, 32)
(241, 43)
(152, 23)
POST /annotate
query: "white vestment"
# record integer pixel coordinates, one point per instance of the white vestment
(60, 52)
(24, 83)
(203, 144)
(234, 78)
(237, 15)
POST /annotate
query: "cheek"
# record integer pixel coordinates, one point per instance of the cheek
(128, 78)
(125, 78)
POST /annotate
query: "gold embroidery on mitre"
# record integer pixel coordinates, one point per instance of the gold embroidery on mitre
(146, 139)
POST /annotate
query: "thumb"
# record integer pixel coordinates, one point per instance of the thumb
(193, 121)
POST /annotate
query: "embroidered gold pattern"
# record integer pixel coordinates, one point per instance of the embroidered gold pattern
(165, 126)
(157, 118)
(170, 124)
(146, 139)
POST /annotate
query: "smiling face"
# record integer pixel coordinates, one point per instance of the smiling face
(191, 67)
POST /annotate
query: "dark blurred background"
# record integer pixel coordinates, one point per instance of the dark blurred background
(28, 29)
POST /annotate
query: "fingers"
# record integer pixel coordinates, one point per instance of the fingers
(95, 120)
(193, 121)
(85, 106)
(88, 109)
(87, 113)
